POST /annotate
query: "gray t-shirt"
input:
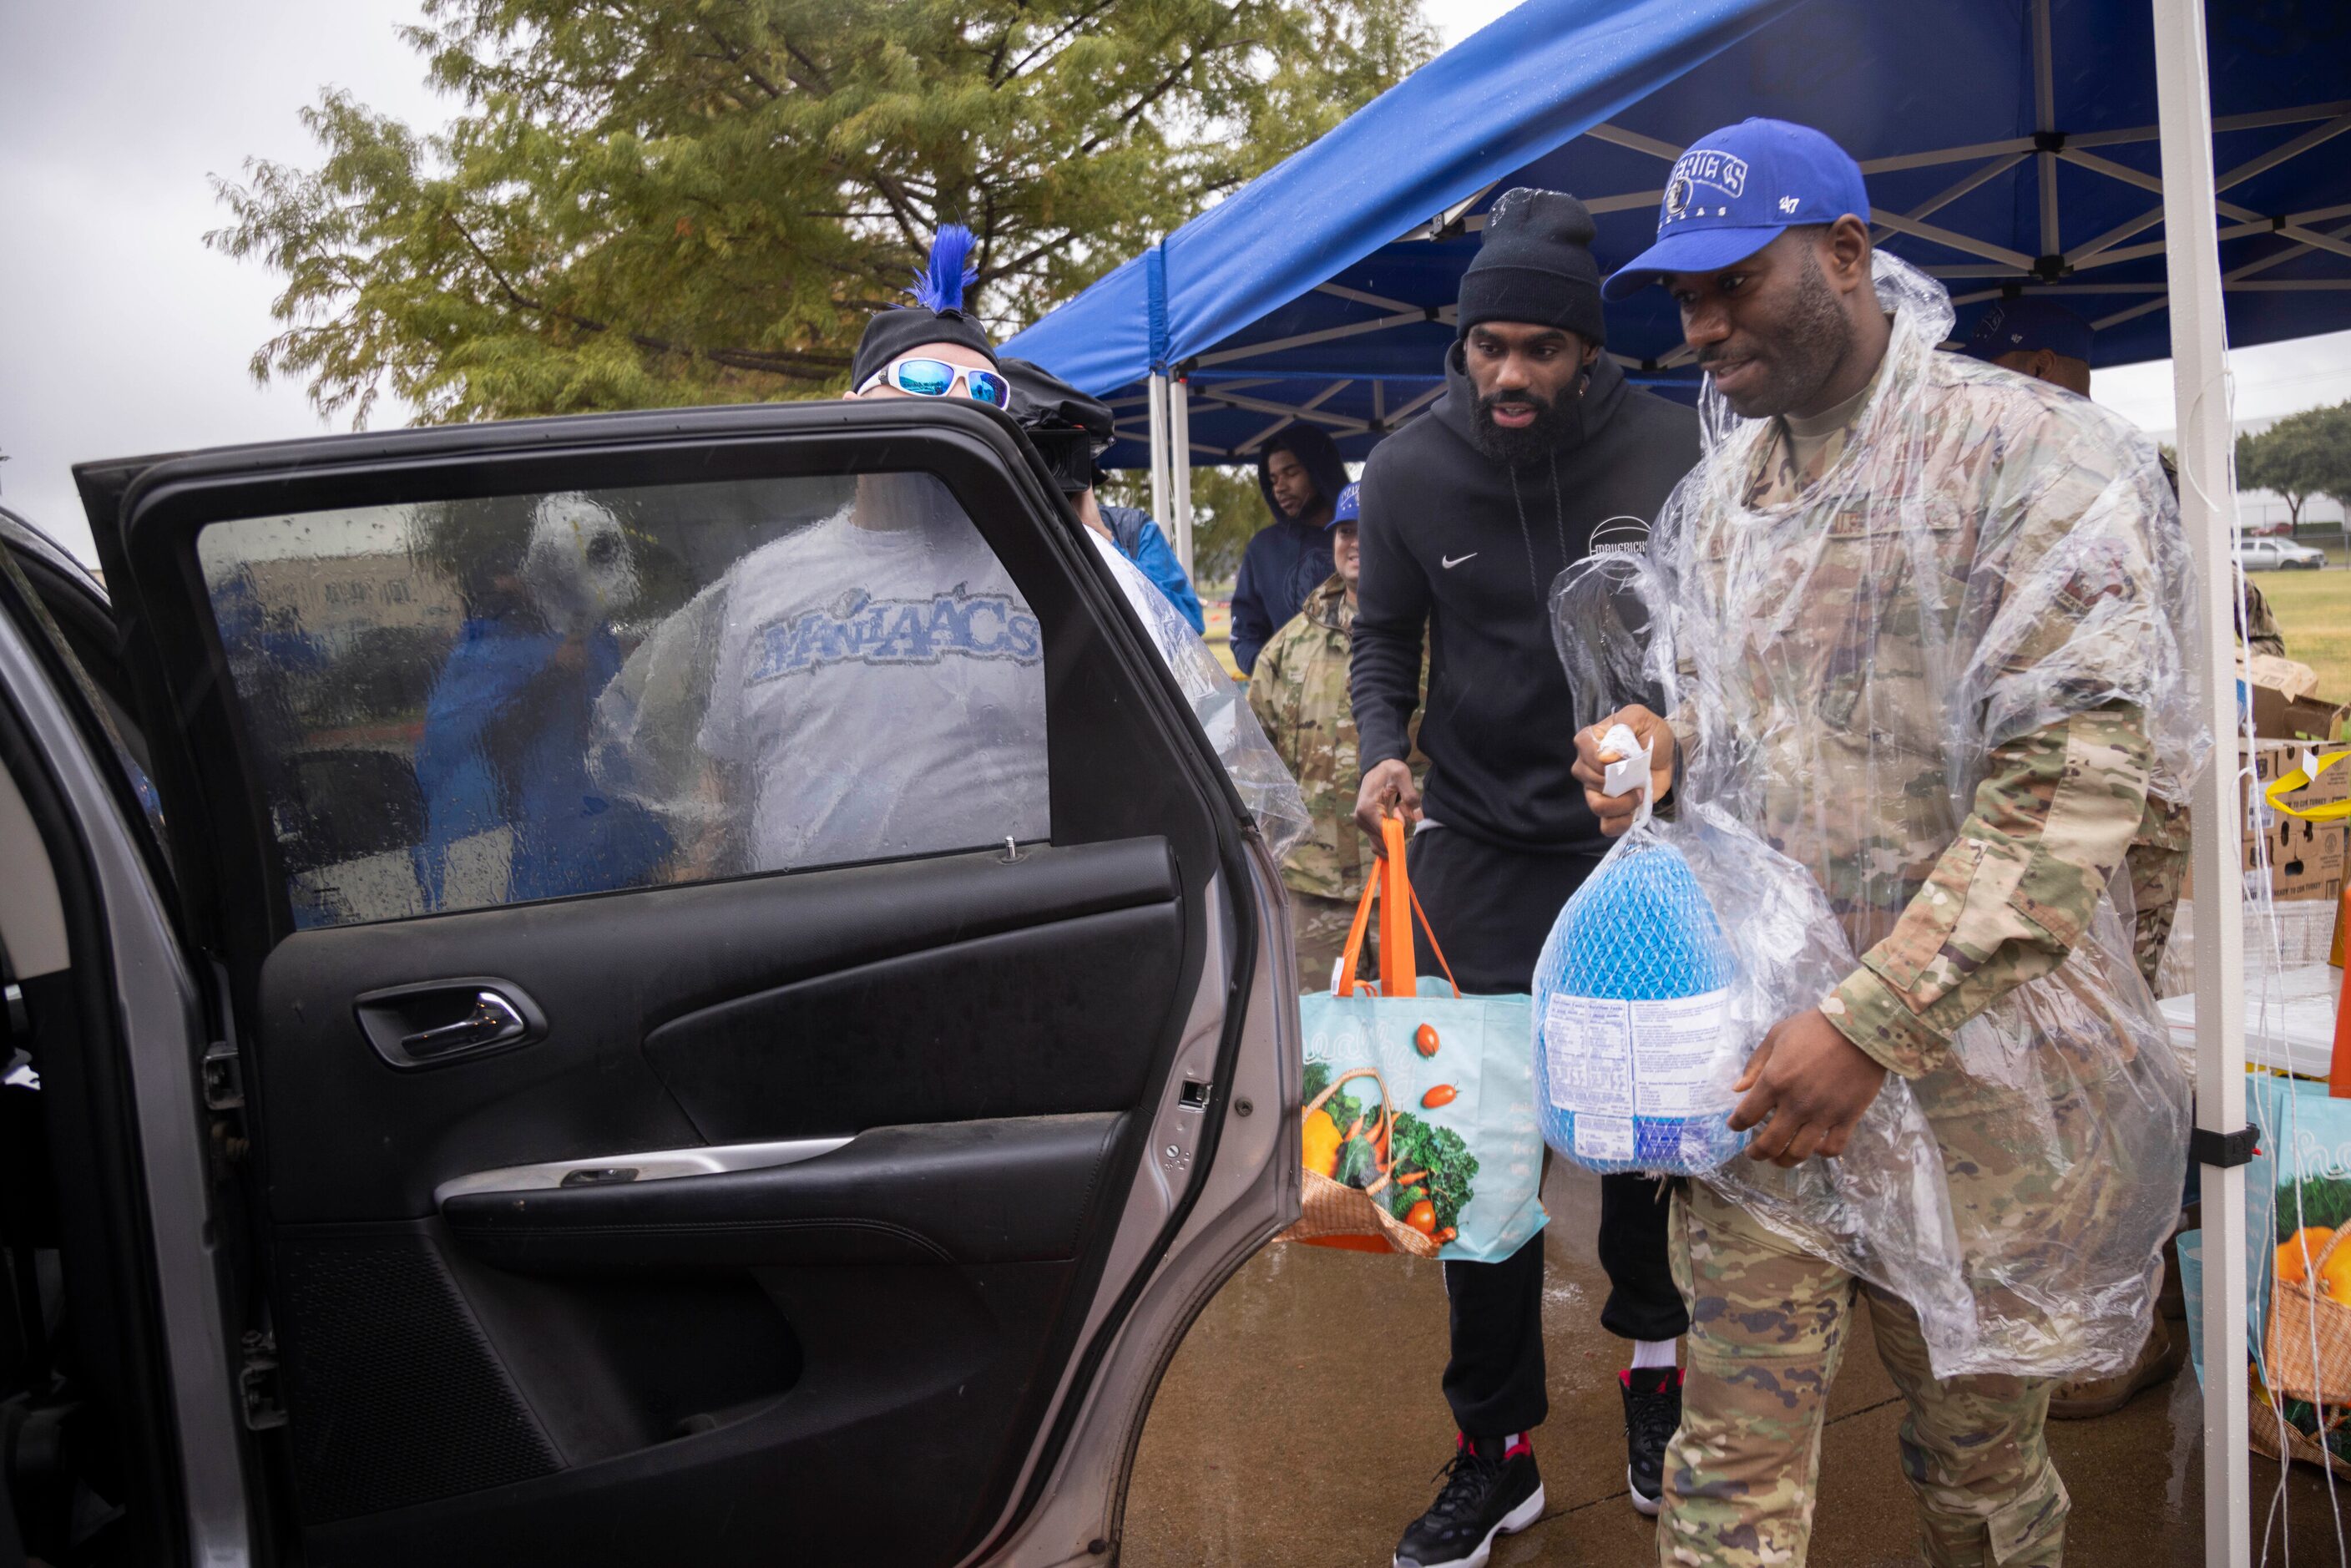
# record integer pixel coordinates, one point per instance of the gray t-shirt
(879, 692)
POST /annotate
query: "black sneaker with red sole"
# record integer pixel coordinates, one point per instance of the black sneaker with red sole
(1488, 1492)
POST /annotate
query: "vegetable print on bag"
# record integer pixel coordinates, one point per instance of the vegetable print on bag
(1418, 1129)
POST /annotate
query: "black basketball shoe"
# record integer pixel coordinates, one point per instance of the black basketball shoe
(1490, 1489)
(1652, 1413)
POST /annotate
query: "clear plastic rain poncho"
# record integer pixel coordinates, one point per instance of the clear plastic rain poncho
(870, 685)
(1221, 704)
(1942, 668)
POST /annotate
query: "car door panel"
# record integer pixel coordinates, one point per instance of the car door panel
(1012, 1191)
(889, 1120)
(734, 1017)
(871, 1045)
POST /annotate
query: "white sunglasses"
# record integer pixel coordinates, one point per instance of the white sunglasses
(924, 377)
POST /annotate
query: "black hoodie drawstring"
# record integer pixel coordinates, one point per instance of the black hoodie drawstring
(1558, 523)
(1558, 509)
(1525, 536)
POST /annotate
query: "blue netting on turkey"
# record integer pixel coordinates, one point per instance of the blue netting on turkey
(1641, 933)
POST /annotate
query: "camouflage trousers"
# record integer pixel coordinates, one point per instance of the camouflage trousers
(1767, 1326)
(1319, 927)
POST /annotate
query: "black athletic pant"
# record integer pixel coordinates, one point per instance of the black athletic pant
(1492, 907)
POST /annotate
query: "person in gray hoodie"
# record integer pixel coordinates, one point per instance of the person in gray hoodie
(1468, 514)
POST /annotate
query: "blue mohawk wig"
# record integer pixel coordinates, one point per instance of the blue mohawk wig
(940, 286)
(935, 316)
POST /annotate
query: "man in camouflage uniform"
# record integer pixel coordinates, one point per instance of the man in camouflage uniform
(1300, 694)
(1828, 734)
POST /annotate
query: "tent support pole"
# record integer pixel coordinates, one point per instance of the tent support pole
(2208, 506)
(1158, 446)
(1179, 447)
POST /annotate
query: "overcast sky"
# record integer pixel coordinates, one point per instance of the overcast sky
(121, 333)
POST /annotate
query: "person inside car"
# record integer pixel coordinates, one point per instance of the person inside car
(887, 633)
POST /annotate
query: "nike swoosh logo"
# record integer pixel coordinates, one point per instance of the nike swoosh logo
(1452, 561)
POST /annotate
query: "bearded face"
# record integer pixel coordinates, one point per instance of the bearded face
(1516, 445)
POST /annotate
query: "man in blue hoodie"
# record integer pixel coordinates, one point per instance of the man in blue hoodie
(1300, 471)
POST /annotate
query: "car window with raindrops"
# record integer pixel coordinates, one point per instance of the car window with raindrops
(452, 704)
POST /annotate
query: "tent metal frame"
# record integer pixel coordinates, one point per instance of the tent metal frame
(2208, 507)
(1997, 270)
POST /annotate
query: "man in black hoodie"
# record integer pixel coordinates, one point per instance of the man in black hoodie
(1300, 472)
(1468, 514)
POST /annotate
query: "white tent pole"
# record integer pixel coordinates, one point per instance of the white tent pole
(1158, 446)
(1179, 447)
(2208, 506)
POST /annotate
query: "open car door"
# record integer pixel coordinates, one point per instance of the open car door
(759, 1020)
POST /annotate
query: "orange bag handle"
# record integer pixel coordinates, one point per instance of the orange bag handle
(1397, 907)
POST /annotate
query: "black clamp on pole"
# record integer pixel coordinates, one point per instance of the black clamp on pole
(2207, 1148)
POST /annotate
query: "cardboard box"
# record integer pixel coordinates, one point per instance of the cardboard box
(2277, 716)
(2284, 700)
(2307, 860)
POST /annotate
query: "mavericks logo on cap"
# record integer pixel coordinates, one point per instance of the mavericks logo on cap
(1699, 166)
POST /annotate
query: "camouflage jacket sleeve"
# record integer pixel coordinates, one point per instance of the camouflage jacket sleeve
(2261, 630)
(1273, 697)
(2011, 894)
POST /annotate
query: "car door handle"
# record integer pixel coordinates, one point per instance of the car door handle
(493, 1022)
(455, 1019)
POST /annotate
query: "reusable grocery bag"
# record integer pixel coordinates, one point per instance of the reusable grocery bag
(1419, 1130)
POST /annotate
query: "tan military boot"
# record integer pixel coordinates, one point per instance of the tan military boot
(2080, 1399)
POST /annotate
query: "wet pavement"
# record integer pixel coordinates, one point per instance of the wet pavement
(1301, 1426)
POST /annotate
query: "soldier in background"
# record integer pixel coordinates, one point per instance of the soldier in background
(1300, 695)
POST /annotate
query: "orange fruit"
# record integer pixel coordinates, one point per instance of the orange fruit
(2335, 1279)
(1422, 1216)
(1424, 1039)
(1319, 1140)
(2298, 1252)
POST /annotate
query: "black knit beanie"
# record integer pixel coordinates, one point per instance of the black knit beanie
(892, 334)
(1535, 265)
(935, 316)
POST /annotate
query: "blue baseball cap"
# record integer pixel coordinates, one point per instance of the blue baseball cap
(1739, 189)
(1346, 509)
(2021, 325)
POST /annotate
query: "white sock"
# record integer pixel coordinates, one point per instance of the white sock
(1649, 1353)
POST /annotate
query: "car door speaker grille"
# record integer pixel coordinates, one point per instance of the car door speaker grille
(395, 1394)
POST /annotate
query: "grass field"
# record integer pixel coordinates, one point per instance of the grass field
(2313, 610)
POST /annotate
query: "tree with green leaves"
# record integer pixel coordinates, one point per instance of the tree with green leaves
(2302, 455)
(652, 203)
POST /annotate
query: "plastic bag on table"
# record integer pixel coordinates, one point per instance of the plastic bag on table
(1982, 581)
(1221, 704)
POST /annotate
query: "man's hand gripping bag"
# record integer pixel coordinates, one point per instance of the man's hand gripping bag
(1418, 1128)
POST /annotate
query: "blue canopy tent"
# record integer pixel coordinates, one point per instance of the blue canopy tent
(2165, 168)
(2011, 146)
